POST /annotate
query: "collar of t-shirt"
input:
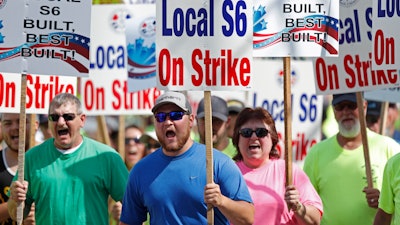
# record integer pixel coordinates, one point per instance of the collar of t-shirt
(69, 151)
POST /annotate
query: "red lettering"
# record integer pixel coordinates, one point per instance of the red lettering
(7, 93)
(41, 89)
(225, 70)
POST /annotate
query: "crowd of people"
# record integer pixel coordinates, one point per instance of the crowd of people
(71, 178)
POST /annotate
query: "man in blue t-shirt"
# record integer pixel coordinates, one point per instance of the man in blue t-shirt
(170, 184)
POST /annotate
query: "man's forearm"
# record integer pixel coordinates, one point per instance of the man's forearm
(4, 215)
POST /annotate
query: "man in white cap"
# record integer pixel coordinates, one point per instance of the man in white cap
(149, 139)
(171, 184)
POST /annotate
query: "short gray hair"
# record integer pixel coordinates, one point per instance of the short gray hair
(63, 98)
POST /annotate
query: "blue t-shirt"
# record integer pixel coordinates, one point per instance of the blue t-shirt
(396, 136)
(171, 189)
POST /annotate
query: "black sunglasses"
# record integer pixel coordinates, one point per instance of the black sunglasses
(174, 115)
(66, 116)
(351, 106)
(247, 132)
(135, 139)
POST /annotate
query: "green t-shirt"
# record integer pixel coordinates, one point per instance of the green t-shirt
(230, 150)
(389, 199)
(73, 189)
(339, 177)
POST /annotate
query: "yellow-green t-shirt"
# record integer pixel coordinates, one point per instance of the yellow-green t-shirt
(339, 177)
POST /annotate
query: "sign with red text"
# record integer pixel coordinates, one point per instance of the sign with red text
(385, 47)
(105, 91)
(351, 71)
(45, 37)
(204, 45)
(141, 47)
(306, 104)
(296, 28)
(40, 90)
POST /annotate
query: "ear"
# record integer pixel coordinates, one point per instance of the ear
(191, 120)
(36, 125)
(82, 117)
(228, 121)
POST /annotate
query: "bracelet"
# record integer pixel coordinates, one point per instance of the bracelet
(298, 206)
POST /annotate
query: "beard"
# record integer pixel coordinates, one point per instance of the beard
(177, 146)
(350, 131)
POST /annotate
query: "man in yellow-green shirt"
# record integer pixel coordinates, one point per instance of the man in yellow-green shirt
(336, 167)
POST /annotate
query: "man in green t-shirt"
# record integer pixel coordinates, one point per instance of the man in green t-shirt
(70, 176)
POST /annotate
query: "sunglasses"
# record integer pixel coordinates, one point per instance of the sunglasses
(135, 139)
(174, 115)
(66, 116)
(340, 107)
(247, 132)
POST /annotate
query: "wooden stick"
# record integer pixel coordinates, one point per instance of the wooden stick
(121, 136)
(383, 117)
(361, 114)
(102, 126)
(288, 119)
(32, 133)
(209, 147)
(21, 145)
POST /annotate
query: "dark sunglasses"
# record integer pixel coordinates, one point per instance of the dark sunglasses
(174, 115)
(66, 116)
(135, 139)
(247, 132)
(351, 106)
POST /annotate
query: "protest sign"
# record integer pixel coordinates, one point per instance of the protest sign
(296, 28)
(141, 47)
(385, 57)
(105, 91)
(204, 46)
(306, 106)
(44, 38)
(351, 71)
(40, 89)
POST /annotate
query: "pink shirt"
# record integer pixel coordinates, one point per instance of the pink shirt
(267, 189)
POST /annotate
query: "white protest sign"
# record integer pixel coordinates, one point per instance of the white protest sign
(141, 47)
(204, 45)
(45, 37)
(296, 28)
(351, 71)
(386, 36)
(39, 91)
(384, 95)
(306, 105)
(105, 91)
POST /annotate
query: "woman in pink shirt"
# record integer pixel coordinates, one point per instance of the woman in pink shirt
(255, 138)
